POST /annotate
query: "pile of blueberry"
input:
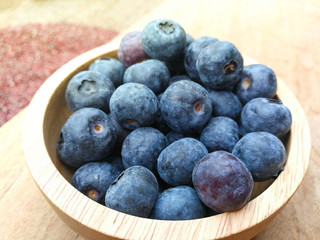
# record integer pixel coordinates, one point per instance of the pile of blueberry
(176, 128)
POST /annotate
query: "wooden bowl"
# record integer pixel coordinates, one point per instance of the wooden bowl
(48, 112)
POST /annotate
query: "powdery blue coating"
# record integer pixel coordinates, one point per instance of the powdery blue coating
(176, 162)
(134, 192)
(134, 105)
(95, 177)
(186, 107)
(225, 103)
(220, 65)
(263, 154)
(222, 181)
(178, 203)
(89, 89)
(152, 73)
(257, 80)
(130, 50)
(142, 147)
(221, 133)
(163, 39)
(192, 53)
(110, 67)
(267, 115)
(87, 136)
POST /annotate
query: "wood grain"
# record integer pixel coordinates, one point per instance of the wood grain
(281, 34)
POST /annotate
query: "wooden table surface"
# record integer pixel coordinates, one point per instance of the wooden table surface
(282, 34)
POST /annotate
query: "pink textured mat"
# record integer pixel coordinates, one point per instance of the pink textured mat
(29, 54)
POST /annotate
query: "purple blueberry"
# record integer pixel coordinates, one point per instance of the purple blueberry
(133, 192)
(222, 181)
(130, 50)
(176, 162)
(87, 136)
(186, 107)
(220, 65)
(89, 89)
(263, 154)
(178, 203)
(257, 80)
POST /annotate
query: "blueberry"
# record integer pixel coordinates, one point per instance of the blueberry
(130, 50)
(177, 78)
(257, 80)
(176, 162)
(186, 106)
(221, 133)
(142, 147)
(134, 105)
(174, 136)
(178, 203)
(110, 67)
(133, 192)
(267, 115)
(225, 103)
(163, 39)
(152, 73)
(115, 161)
(89, 89)
(263, 154)
(222, 181)
(87, 136)
(220, 65)
(192, 53)
(93, 179)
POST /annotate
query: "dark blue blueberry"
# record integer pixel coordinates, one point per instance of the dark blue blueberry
(93, 179)
(89, 89)
(220, 65)
(163, 39)
(152, 73)
(267, 115)
(186, 106)
(178, 203)
(110, 67)
(134, 192)
(115, 161)
(257, 80)
(192, 53)
(134, 105)
(221, 133)
(263, 154)
(174, 136)
(189, 40)
(177, 78)
(176, 162)
(130, 50)
(222, 181)
(87, 136)
(225, 103)
(142, 147)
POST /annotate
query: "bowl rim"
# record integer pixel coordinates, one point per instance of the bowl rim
(103, 221)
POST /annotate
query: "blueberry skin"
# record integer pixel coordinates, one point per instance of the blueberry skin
(221, 133)
(257, 80)
(220, 65)
(87, 136)
(192, 53)
(163, 39)
(174, 136)
(267, 115)
(176, 162)
(178, 203)
(134, 105)
(186, 107)
(152, 73)
(142, 147)
(134, 192)
(222, 181)
(93, 179)
(263, 154)
(110, 67)
(177, 78)
(225, 103)
(115, 161)
(89, 89)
